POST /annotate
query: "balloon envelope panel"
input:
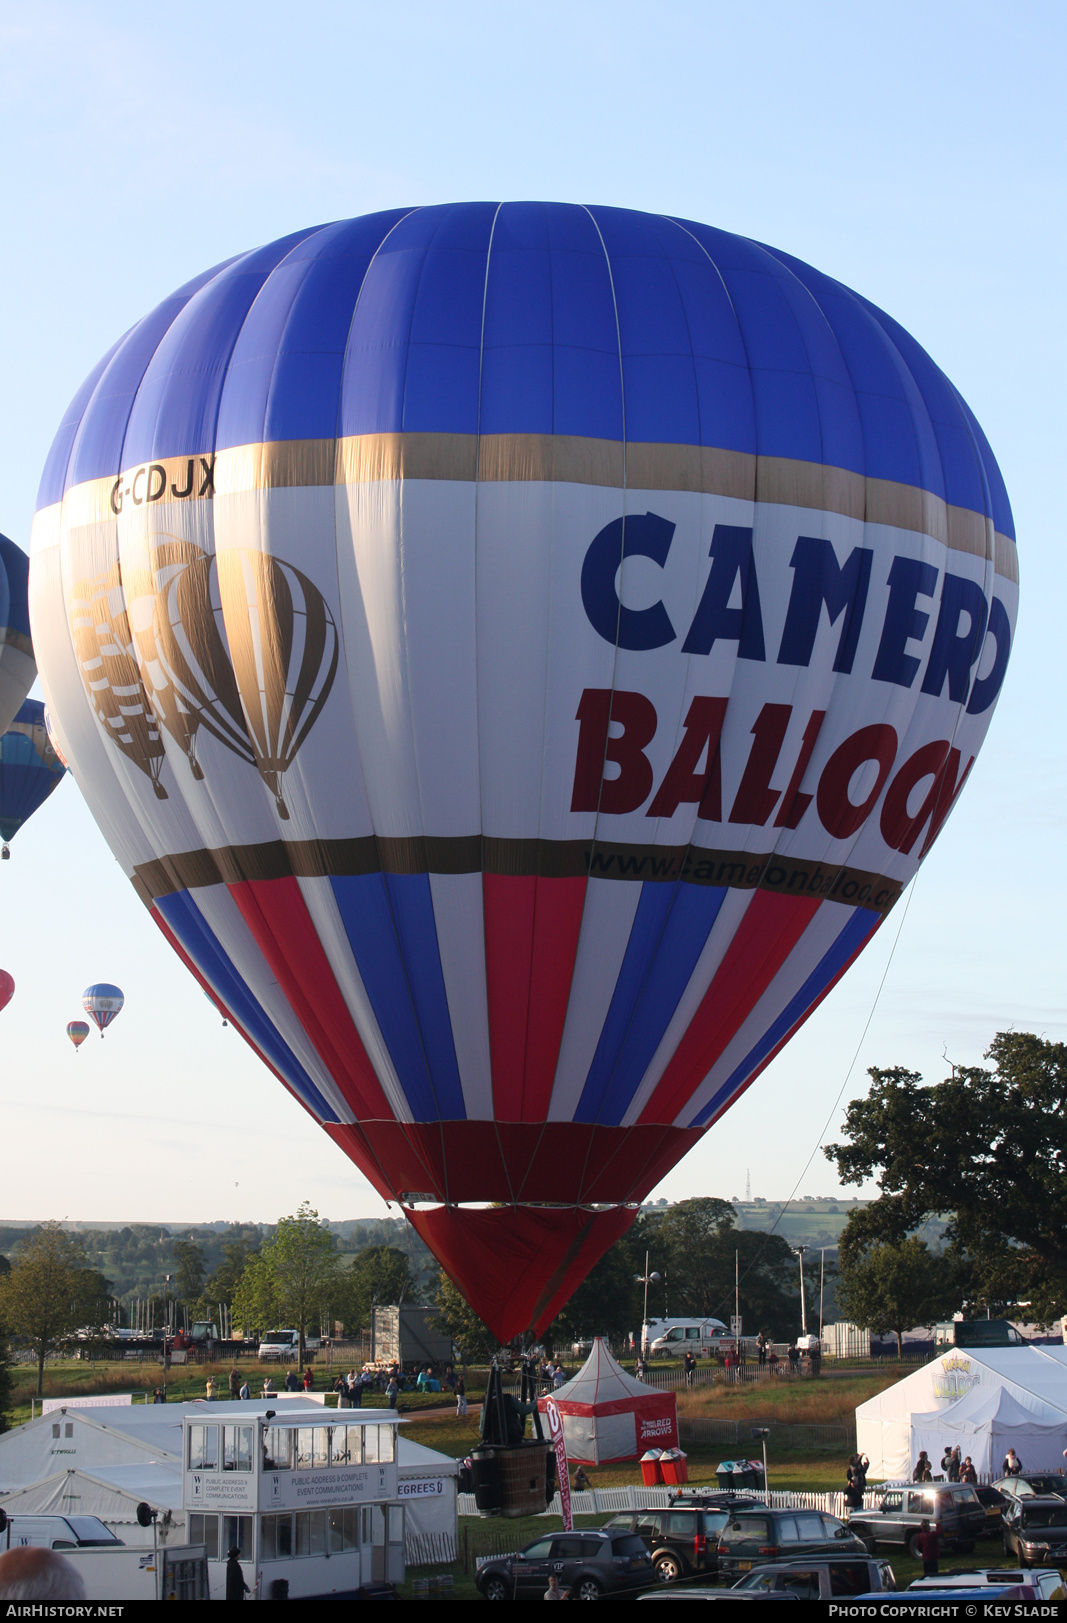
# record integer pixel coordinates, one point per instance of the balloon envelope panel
(520, 653)
(29, 768)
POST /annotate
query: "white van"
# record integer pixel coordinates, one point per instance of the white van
(675, 1337)
(59, 1533)
(285, 1344)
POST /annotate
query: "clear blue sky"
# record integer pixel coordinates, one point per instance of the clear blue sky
(914, 151)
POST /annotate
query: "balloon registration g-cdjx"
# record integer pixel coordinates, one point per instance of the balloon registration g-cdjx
(519, 653)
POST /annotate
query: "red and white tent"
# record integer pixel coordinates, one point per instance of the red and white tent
(608, 1415)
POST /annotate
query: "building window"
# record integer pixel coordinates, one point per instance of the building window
(203, 1448)
(378, 1445)
(237, 1534)
(55, 1428)
(278, 1448)
(346, 1445)
(237, 1448)
(276, 1538)
(311, 1532)
(68, 1429)
(205, 1530)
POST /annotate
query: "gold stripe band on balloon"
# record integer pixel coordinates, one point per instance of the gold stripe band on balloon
(543, 458)
(553, 859)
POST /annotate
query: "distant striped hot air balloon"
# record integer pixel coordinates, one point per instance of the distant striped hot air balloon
(102, 1003)
(77, 1031)
(520, 653)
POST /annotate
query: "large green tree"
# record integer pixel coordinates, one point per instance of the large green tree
(190, 1265)
(988, 1148)
(295, 1280)
(474, 1341)
(697, 1249)
(895, 1286)
(237, 1252)
(50, 1292)
(6, 1384)
(378, 1275)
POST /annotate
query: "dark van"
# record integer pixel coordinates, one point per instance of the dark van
(682, 1539)
(752, 1538)
(954, 1508)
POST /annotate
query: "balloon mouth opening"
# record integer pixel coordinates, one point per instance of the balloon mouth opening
(419, 1201)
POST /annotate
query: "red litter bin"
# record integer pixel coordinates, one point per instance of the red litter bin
(675, 1466)
(651, 1468)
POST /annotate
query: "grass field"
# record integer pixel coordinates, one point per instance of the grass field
(185, 1382)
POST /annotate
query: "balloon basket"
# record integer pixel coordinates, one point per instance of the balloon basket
(511, 1481)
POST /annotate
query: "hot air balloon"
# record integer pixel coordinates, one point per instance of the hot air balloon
(520, 653)
(17, 665)
(77, 1031)
(29, 769)
(102, 1003)
(7, 988)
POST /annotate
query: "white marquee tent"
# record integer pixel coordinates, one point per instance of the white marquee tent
(983, 1400)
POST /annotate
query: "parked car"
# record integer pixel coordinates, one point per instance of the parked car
(993, 1502)
(590, 1564)
(1046, 1580)
(59, 1533)
(1030, 1483)
(754, 1538)
(683, 1539)
(1035, 1531)
(819, 1580)
(954, 1508)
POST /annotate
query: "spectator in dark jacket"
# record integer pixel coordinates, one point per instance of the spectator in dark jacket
(929, 1548)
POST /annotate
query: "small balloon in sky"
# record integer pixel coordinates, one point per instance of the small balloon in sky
(102, 1003)
(77, 1031)
(7, 988)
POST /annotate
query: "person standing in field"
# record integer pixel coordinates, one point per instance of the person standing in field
(929, 1548)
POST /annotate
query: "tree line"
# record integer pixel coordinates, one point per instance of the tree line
(984, 1151)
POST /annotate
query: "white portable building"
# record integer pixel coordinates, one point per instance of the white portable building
(427, 1484)
(983, 1400)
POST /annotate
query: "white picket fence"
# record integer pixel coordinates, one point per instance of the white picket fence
(597, 1501)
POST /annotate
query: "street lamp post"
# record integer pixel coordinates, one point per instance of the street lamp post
(646, 1279)
(760, 1434)
(800, 1250)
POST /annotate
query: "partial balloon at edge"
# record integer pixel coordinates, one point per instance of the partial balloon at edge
(18, 668)
(30, 769)
(7, 988)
